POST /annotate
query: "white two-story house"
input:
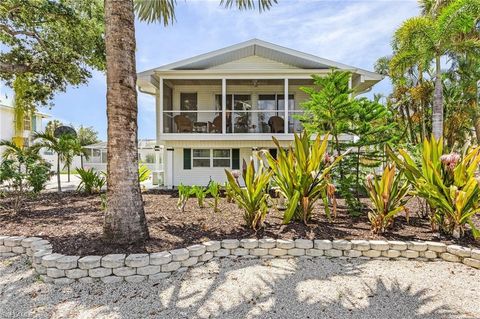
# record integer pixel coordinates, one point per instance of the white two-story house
(33, 123)
(217, 109)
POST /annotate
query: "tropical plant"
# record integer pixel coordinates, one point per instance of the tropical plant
(214, 190)
(86, 136)
(200, 193)
(331, 108)
(90, 181)
(387, 196)
(228, 192)
(302, 174)
(440, 31)
(125, 216)
(184, 193)
(253, 198)
(143, 172)
(447, 182)
(62, 146)
(22, 173)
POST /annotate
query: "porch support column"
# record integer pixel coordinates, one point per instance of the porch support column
(285, 100)
(159, 110)
(168, 169)
(224, 106)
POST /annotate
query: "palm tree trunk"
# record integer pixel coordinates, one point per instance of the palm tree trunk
(437, 111)
(125, 217)
(59, 183)
(68, 171)
(81, 161)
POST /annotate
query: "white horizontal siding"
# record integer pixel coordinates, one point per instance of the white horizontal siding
(253, 63)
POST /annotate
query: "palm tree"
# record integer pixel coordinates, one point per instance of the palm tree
(422, 39)
(125, 217)
(13, 151)
(85, 136)
(62, 146)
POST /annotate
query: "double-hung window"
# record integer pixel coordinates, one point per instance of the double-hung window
(201, 158)
(221, 157)
(211, 158)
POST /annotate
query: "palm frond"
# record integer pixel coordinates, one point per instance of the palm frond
(263, 5)
(155, 11)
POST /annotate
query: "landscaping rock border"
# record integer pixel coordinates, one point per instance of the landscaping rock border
(61, 269)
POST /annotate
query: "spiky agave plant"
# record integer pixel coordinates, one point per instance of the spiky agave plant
(254, 196)
(388, 198)
(302, 174)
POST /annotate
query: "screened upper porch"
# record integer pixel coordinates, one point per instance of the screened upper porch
(234, 106)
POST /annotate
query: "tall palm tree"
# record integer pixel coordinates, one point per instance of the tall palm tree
(430, 37)
(125, 217)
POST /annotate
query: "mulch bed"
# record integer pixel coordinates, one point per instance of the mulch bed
(73, 224)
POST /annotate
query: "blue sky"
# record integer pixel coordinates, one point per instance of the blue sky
(354, 32)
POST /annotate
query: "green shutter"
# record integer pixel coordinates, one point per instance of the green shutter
(235, 158)
(187, 158)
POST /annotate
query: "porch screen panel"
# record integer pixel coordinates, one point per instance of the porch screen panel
(188, 102)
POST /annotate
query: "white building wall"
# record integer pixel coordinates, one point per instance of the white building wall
(202, 175)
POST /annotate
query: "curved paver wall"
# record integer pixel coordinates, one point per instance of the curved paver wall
(61, 269)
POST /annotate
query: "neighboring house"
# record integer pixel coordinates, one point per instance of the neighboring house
(32, 124)
(147, 154)
(217, 109)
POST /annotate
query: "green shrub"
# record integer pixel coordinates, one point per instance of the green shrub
(302, 174)
(214, 190)
(447, 182)
(22, 175)
(90, 181)
(253, 197)
(388, 197)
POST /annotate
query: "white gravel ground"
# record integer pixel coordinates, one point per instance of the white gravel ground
(280, 288)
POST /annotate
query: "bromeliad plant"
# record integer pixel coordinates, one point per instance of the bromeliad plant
(447, 182)
(254, 196)
(302, 174)
(388, 197)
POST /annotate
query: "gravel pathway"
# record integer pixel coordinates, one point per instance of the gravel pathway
(279, 288)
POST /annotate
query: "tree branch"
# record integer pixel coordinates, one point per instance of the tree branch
(14, 68)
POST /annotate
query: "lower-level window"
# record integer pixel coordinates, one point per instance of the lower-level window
(201, 158)
(211, 158)
(221, 158)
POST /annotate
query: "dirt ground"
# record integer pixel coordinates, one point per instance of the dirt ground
(73, 223)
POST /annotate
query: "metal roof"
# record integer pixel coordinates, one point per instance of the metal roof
(256, 47)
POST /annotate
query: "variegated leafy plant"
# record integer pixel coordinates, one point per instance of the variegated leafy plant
(388, 197)
(448, 182)
(302, 174)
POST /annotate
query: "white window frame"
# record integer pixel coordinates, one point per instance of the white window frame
(223, 158)
(196, 157)
(211, 158)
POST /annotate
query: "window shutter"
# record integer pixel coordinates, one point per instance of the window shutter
(235, 158)
(187, 158)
